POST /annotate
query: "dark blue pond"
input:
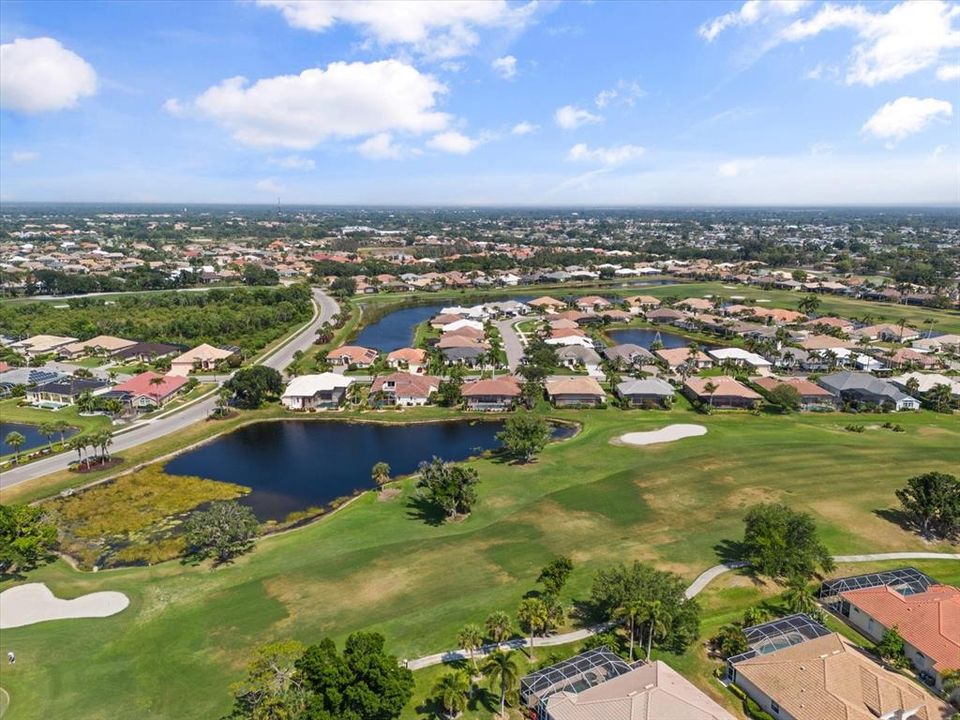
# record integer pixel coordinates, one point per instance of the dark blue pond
(644, 337)
(30, 432)
(296, 464)
(396, 329)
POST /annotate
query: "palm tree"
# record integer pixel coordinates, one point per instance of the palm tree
(630, 611)
(799, 596)
(104, 441)
(62, 426)
(658, 621)
(710, 388)
(78, 443)
(223, 400)
(499, 626)
(380, 473)
(16, 441)
(452, 692)
(48, 430)
(951, 684)
(504, 674)
(755, 615)
(156, 382)
(470, 638)
(535, 616)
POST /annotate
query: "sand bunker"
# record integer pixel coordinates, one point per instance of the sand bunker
(664, 435)
(33, 603)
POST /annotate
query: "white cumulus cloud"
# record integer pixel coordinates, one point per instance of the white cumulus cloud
(906, 116)
(948, 72)
(346, 100)
(524, 128)
(20, 157)
(614, 155)
(381, 147)
(293, 162)
(40, 75)
(436, 29)
(505, 67)
(570, 117)
(453, 142)
(905, 39)
(751, 12)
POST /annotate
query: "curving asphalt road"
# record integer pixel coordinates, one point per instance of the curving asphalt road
(163, 425)
(512, 345)
(695, 588)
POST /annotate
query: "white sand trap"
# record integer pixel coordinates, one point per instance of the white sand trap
(33, 603)
(663, 435)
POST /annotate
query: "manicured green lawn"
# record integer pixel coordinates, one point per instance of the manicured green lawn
(189, 630)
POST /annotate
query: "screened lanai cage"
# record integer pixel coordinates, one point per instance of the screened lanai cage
(777, 634)
(575, 675)
(906, 581)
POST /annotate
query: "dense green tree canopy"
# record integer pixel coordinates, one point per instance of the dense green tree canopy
(932, 500)
(223, 531)
(26, 538)
(450, 487)
(253, 385)
(783, 543)
(524, 435)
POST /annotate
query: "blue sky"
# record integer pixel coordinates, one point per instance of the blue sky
(533, 103)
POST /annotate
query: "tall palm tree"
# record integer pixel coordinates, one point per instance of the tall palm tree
(157, 382)
(16, 441)
(630, 612)
(470, 638)
(78, 443)
(658, 621)
(452, 691)
(504, 675)
(535, 616)
(104, 441)
(62, 426)
(799, 597)
(48, 430)
(499, 626)
(380, 473)
(710, 389)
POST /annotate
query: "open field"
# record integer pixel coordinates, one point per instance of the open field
(375, 566)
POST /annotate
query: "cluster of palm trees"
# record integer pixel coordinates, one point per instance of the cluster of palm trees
(652, 615)
(48, 430)
(95, 441)
(453, 690)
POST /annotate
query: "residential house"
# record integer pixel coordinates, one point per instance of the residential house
(812, 396)
(99, 345)
(12, 377)
(412, 359)
(547, 304)
(694, 305)
(908, 357)
(493, 394)
(825, 342)
(628, 354)
(202, 357)
(150, 390)
(728, 392)
(888, 332)
(939, 343)
(859, 387)
(41, 344)
(830, 323)
(573, 356)
(664, 315)
(64, 392)
(146, 352)
(829, 678)
(645, 392)
(462, 324)
(314, 392)
(741, 358)
(925, 382)
(353, 356)
(640, 303)
(567, 391)
(591, 303)
(403, 389)
(675, 357)
(468, 353)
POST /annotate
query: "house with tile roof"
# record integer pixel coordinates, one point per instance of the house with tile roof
(830, 678)
(412, 359)
(928, 621)
(812, 396)
(105, 344)
(151, 390)
(403, 389)
(567, 391)
(354, 355)
(492, 394)
(728, 392)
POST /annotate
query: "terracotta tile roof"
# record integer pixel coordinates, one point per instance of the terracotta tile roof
(726, 387)
(825, 342)
(930, 621)
(566, 332)
(831, 679)
(410, 355)
(452, 340)
(546, 301)
(678, 356)
(355, 353)
(574, 386)
(506, 386)
(141, 385)
(407, 384)
(803, 386)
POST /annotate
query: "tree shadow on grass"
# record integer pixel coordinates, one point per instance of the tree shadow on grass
(422, 509)
(898, 517)
(730, 551)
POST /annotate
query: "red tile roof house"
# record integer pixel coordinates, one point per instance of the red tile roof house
(695, 304)
(812, 396)
(145, 394)
(496, 394)
(592, 303)
(729, 393)
(412, 359)
(547, 304)
(355, 355)
(929, 623)
(675, 357)
(565, 392)
(403, 389)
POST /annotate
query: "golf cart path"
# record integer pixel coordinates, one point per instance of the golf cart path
(695, 588)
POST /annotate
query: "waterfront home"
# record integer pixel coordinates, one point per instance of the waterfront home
(927, 618)
(616, 315)
(412, 359)
(645, 392)
(740, 357)
(313, 392)
(562, 324)
(463, 324)
(466, 352)
(639, 303)
(591, 303)
(567, 391)
(494, 394)
(150, 390)
(812, 396)
(403, 389)
(859, 387)
(66, 391)
(829, 678)
(925, 382)
(628, 354)
(99, 345)
(695, 305)
(41, 344)
(728, 392)
(353, 356)
(202, 357)
(664, 315)
(547, 304)
(464, 331)
(12, 377)
(444, 319)
(675, 357)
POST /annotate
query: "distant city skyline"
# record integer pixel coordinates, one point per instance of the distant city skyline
(785, 103)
